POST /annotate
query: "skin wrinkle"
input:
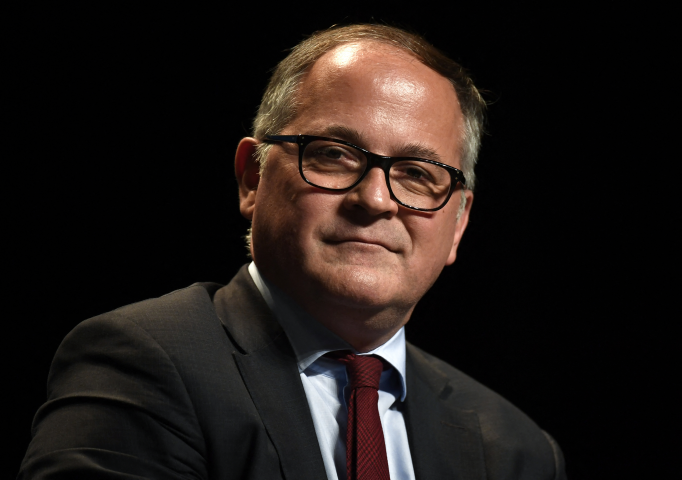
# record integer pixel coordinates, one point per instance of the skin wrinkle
(355, 260)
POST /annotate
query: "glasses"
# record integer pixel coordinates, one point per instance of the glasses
(332, 164)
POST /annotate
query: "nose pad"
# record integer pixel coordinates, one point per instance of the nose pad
(372, 194)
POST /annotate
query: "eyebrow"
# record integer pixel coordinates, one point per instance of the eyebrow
(351, 135)
(343, 132)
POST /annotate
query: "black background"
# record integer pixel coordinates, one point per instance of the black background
(119, 187)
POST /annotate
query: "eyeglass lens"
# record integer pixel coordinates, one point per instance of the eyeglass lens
(418, 184)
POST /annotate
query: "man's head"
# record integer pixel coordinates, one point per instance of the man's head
(355, 259)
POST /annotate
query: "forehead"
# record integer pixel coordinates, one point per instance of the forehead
(386, 95)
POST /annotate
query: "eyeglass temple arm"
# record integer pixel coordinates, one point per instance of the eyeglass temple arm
(281, 138)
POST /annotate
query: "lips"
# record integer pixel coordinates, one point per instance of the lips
(390, 246)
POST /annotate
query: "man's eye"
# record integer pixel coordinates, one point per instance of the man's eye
(414, 172)
(334, 153)
(331, 152)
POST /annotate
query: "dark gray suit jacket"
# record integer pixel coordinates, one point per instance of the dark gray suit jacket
(203, 383)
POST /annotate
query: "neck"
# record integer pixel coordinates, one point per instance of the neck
(364, 328)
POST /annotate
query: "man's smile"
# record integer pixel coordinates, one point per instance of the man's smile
(364, 243)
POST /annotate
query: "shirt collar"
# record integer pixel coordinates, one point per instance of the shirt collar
(310, 339)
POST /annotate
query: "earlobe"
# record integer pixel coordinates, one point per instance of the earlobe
(462, 223)
(246, 170)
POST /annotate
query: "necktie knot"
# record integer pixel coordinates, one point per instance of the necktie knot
(363, 370)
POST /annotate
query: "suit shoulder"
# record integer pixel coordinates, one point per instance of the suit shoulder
(192, 300)
(142, 371)
(182, 309)
(178, 322)
(468, 393)
(507, 432)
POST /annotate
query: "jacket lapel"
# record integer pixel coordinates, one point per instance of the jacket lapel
(445, 442)
(267, 364)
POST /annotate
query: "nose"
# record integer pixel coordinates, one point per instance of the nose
(372, 195)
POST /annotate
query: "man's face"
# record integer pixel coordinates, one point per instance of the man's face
(358, 248)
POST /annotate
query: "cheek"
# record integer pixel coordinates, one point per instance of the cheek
(432, 238)
(313, 210)
(288, 210)
(446, 231)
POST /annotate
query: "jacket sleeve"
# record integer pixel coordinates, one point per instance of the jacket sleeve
(116, 408)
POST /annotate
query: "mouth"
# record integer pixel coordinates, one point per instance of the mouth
(363, 243)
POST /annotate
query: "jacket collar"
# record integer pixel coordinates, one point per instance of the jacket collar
(445, 441)
(267, 364)
(244, 314)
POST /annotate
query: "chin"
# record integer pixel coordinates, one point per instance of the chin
(360, 286)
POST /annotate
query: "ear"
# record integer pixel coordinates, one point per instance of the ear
(461, 225)
(246, 171)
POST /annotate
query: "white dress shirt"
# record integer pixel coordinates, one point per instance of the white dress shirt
(325, 381)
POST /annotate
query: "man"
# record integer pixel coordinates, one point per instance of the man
(358, 185)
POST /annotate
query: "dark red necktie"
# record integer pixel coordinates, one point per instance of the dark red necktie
(365, 447)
